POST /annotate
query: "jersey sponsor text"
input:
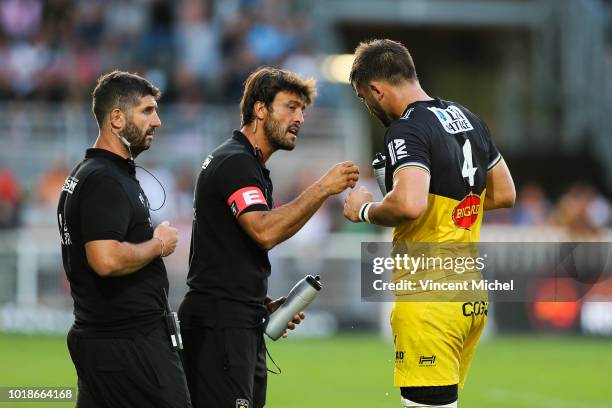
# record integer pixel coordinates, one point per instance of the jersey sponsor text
(452, 119)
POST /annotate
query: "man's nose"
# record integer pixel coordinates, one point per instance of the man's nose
(300, 116)
(156, 122)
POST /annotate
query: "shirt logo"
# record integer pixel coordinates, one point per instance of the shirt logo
(234, 208)
(70, 184)
(245, 197)
(207, 161)
(407, 114)
(427, 361)
(64, 234)
(397, 150)
(242, 403)
(452, 119)
(253, 197)
(466, 212)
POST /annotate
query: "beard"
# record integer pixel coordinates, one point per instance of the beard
(136, 137)
(380, 113)
(276, 134)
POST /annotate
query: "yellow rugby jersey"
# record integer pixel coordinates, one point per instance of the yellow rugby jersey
(455, 146)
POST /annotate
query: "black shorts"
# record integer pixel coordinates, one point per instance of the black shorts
(136, 369)
(225, 367)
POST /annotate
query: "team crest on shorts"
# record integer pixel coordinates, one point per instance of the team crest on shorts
(242, 403)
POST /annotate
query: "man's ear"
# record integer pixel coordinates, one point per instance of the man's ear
(377, 90)
(117, 119)
(259, 110)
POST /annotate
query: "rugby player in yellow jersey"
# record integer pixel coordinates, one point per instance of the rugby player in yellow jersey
(442, 171)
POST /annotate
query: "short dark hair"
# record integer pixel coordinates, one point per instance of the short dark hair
(386, 60)
(263, 85)
(119, 89)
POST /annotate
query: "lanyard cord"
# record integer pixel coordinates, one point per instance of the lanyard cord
(263, 340)
(160, 184)
(278, 369)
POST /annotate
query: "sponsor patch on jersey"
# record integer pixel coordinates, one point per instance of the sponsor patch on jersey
(452, 119)
(427, 361)
(397, 150)
(70, 184)
(207, 161)
(245, 197)
(64, 234)
(466, 212)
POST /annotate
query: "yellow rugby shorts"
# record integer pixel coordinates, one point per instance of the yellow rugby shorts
(435, 341)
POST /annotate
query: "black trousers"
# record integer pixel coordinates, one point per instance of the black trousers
(225, 367)
(131, 369)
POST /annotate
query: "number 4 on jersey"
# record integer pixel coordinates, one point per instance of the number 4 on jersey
(466, 212)
(468, 170)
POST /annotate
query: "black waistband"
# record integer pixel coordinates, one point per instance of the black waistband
(200, 310)
(127, 328)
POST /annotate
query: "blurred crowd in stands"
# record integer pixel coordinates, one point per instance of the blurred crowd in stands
(195, 50)
(581, 209)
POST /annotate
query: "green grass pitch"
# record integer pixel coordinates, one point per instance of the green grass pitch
(356, 371)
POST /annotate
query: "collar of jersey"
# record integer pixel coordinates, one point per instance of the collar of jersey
(413, 104)
(125, 164)
(242, 139)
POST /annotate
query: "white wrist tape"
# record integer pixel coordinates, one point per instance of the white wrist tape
(364, 212)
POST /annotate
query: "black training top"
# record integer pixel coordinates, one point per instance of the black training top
(102, 200)
(228, 271)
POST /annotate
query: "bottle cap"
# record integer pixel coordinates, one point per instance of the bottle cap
(379, 161)
(314, 281)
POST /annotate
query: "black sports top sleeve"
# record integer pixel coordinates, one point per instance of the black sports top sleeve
(105, 210)
(406, 146)
(241, 184)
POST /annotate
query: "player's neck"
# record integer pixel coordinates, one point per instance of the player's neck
(107, 141)
(262, 148)
(404, 95)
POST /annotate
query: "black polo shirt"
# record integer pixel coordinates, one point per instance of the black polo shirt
(102, 200)
(228, 271)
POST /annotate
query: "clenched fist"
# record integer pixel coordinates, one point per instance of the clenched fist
(168, 235)
(354, 201)
(339, 178)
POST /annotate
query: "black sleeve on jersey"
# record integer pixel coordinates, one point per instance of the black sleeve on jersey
(494, 154)
(105, 209)
(407, 146)
(240, 182)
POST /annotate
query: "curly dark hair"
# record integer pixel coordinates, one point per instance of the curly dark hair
(263, 85)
